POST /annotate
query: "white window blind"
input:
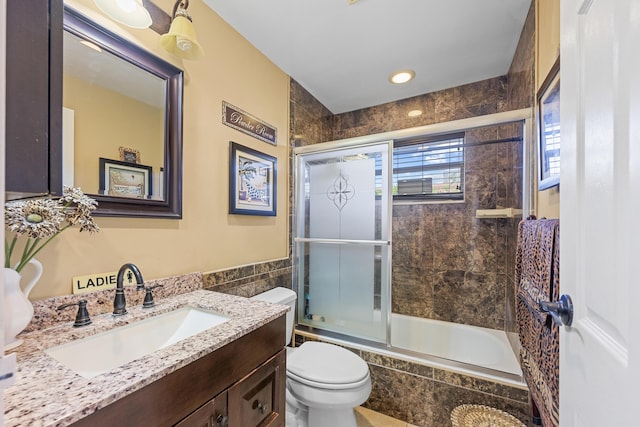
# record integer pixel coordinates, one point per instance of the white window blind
(551, 141)
(429, 168)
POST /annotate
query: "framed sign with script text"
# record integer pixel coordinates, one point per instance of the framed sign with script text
(245, 122)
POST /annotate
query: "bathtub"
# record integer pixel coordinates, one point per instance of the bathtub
(471, 345)
(480, 352)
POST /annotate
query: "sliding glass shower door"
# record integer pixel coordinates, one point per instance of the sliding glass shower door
(342, 239)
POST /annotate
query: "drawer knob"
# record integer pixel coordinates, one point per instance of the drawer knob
(259, 406)
(222, 420)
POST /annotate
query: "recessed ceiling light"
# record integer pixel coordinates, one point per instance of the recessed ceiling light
(402, 76)
(414, 113)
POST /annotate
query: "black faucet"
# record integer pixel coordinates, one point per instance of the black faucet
(148, 297)
(119, 302)
(82, 317)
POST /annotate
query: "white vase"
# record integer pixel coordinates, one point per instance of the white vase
(18, 310)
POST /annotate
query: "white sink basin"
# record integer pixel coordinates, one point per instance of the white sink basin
(100, 353)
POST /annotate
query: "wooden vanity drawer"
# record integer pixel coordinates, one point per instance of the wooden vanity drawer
(258, 399)
(211, 414)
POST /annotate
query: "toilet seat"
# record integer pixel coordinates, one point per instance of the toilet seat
(327, 386)
(327, 366)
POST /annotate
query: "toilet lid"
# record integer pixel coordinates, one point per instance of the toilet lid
(326, 364)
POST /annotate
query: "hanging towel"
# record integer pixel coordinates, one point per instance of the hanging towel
(537, 278)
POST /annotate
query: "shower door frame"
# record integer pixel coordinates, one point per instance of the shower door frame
(529, 187)
(328, 147)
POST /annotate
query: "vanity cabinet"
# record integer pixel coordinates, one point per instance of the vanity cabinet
(244, 380)
(257, 400)
(33, 115)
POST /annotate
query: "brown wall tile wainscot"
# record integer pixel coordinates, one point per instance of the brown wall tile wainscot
(249, 280)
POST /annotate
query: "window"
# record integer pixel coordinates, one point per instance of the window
(429, 168)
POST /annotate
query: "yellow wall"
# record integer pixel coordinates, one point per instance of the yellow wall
(547, 37)
(138, 126)
(549, 203)
(547, 51)
(207, 238)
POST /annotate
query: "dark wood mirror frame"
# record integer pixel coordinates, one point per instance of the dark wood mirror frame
(171, 205)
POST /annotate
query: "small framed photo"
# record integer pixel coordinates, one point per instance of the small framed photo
(129, 155)
(124, 179)
(252, 182)
(548, 118)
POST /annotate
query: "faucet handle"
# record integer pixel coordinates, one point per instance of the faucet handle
(148, 297)
(82, 317)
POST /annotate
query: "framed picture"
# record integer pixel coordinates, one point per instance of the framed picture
(252, 182)
(124, 179)
(129, 155)
(548, 116)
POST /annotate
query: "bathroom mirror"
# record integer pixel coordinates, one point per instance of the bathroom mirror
(122, 122)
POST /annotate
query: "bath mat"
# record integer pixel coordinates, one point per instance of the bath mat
(482, 416)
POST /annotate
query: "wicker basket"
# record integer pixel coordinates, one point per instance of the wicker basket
(482, 416)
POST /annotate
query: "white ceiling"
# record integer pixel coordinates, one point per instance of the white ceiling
(344, 53)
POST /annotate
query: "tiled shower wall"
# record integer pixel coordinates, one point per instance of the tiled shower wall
(447, 265)
(520, 94)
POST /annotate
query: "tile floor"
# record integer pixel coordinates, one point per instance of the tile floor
(368, 418)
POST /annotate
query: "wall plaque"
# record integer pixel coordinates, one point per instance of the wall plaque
(245, 122)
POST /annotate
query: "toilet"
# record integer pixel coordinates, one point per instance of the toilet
(324, 382)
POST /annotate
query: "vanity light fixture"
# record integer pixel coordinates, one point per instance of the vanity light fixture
(131, 13)
(181, 38)
(402, 76)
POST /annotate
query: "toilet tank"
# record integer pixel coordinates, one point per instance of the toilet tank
(282, 296)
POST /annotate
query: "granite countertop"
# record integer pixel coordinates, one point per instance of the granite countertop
(48, 394)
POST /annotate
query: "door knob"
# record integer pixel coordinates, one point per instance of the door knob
(561, 311)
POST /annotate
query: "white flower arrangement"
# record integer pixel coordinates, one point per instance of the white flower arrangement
(43, 219)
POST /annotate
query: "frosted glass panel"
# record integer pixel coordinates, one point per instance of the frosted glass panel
(342, 200)
(343, 261)
(342, 206)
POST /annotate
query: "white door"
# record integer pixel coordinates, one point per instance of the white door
(600, 212)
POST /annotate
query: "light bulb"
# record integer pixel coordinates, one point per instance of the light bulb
(127, 6)
(128, 12)
(183, 43)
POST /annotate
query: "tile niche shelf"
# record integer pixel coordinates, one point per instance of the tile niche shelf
(498, 213)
